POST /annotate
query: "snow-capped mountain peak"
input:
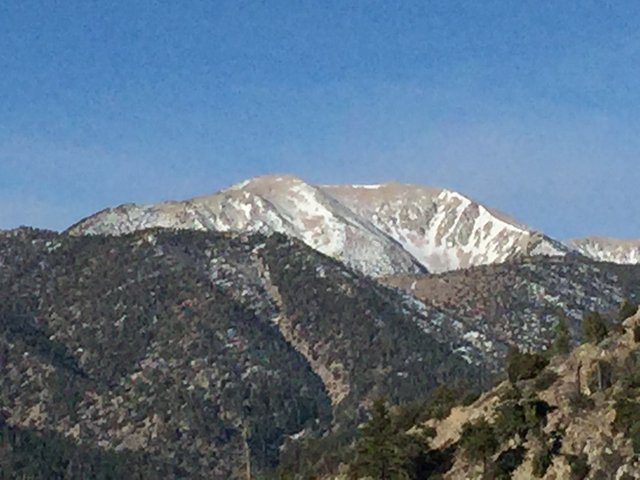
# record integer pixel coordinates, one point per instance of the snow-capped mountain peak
(269, 204)
(376, 229)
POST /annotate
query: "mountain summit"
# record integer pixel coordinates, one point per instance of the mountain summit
(377, 229)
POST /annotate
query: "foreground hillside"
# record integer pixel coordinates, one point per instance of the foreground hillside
(185, 354)
(575, 415)
(587, 420)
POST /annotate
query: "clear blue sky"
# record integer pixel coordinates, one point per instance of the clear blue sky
(532, 107)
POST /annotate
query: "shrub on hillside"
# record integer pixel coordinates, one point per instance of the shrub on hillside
(561, 344)
(579, 465)
(627, 309)
(510, 421)
(594, 329)
(628, 420)
(479, 441)
(636, 333)
(543, 458)
(470, 398)
(535, 413)
(379, 452)
(512, 392)
(542, 461)
(545, 380)
(524, 365)
(506, 463)
(441, 401)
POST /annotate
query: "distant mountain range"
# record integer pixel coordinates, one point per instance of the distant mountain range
(383, 229)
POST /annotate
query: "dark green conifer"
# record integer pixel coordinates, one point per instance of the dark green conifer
(479, 441)
(594, 330)
(627, 309)
(379, 453)
(561, 344)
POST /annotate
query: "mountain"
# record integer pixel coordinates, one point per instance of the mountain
(183, 353)
(377, 229)
(608, 249)
(572, 415)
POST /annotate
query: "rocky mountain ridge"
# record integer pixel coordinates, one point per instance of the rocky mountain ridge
(519, 302)
(377, 229)
(608, 249)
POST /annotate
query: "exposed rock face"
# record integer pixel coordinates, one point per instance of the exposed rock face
(377, 229)
(608, 249)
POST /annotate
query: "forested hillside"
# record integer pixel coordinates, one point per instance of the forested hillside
(180, 352)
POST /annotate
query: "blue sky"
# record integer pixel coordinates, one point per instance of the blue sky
(532, 107)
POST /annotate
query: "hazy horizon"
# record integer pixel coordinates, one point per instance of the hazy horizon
(531, 109)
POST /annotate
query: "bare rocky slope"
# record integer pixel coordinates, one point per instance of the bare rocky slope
(376, 229)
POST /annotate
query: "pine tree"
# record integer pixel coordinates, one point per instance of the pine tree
(594, 329)
(379, 453)
(523, 365)
(627, 309)
(561, 344)
(479, 441)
